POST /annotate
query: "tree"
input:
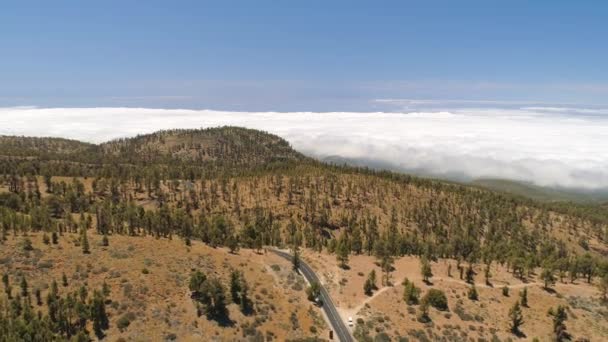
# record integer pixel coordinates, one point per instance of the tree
(385, 259)
(245, 301)
(472, 293)
(437, 299)
(45, 239)
(516, 318)
(505, 291)
(547, 277)
(7, 285)
(370, 283)
(24, 291)
(98, 314)
(487, 274)
(342, 253)
(105, 289)
(423, 312)
(104, 240)
(411, 293)
(85, 242)
(213, 297)
(295, 260)
(232, 243)
(586, 265)
(313, 291)
(470, 274)
(559, 327)
(523, 297)
(368, 288)
(196, 281)
(38, 295)
(64, 280)
(235, 286)
(425, 269)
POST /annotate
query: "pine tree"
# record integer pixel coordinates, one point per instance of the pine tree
(295, 260)
(423, 312)
(85, 242)
(425, 269)
(411, 293)
(313, 291)
(38, 297)
(516, 318)
(470, 275)
(235, 286)
(98, 314)
(523, 296)
(559, 327)
(547, 277)
(24, 290)
(342, 253)
(370, 283)
(246, 305)
(472, 293)
(7, 285)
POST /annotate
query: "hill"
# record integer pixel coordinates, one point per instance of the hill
(243, 189)
(539, 193)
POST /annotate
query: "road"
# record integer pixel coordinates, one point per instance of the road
(340, 329)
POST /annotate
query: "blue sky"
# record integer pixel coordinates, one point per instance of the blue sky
(305, 55)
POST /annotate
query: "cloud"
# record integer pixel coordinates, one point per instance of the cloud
(566, 147)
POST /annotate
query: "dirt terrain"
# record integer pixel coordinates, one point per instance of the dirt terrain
(149, 278)
(484, 319)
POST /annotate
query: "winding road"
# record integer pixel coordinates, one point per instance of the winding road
(337, 323)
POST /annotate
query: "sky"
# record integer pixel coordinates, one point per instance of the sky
(472, 89)
(300, 56)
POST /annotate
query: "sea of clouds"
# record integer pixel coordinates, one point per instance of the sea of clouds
(548, 146)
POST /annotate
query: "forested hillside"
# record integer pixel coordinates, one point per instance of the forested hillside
(242, 188)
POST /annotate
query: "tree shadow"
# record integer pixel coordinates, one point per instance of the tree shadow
(549, 290)
(519, 333)
(428, 282)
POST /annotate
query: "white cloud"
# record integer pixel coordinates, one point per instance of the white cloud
(567, 148)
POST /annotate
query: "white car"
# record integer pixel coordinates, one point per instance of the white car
(350, 321)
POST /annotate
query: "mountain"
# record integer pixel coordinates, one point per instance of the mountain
(541, 193)
(217, 191)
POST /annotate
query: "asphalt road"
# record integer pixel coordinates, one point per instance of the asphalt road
(340, 329)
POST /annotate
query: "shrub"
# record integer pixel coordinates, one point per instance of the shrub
(26, 245)
(125, 320)
(472, 293)
(437, 299)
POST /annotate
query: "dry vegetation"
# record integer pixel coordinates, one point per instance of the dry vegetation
(486, 319)
(149, 277)
(181, 201)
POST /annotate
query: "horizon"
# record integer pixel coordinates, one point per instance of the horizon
(547, 146)
(513, 91)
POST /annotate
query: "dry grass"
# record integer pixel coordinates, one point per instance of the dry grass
(157, 301)
(386, 311)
